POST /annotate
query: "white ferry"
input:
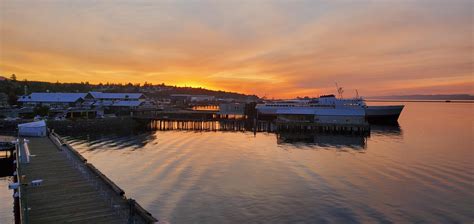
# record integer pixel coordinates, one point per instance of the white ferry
(383, 114)
(328, 108)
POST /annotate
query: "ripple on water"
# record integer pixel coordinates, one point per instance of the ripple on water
(222, 177)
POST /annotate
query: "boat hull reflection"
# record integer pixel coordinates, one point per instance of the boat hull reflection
(324, 140)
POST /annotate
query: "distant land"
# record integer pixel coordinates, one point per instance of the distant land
(425, 97)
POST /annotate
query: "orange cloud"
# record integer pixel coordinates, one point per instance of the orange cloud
(277, 49)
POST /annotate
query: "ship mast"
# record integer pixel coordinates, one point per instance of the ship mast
(339, 90)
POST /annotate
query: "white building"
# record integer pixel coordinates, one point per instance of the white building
(96, 101)
(99, 96)
(62, 100)
(36, 129)
(201, 98)
(116, 101)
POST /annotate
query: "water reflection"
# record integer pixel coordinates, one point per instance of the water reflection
(114, 141)
(221, 125)
(323, 140)
(386, 130)
(420, 171)
(139, 139)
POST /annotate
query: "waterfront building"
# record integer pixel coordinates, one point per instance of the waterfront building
(186, 98)
(37, 129)
(201, 98)
(53, 100)
(90, 105)
(114, 97)
(232, 110)
(118, 103)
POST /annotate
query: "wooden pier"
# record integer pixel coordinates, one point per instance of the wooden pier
(204, 125)
(72, 190)
(362, 128)
(175, 115)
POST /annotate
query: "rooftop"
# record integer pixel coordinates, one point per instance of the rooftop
(52, 97)
(101, 95)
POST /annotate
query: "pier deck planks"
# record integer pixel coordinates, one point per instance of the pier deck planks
(65, 196)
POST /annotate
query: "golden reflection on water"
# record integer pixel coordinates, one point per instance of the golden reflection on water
(419, 171)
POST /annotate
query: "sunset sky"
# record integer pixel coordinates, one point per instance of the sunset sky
(273, 48)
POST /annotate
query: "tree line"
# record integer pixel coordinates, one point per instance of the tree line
(14, 88)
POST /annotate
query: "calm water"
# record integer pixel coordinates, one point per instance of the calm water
(422, 171)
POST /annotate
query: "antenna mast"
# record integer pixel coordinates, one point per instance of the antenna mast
(339, 90)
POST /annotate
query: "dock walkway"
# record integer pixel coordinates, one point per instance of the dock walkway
(71, 192)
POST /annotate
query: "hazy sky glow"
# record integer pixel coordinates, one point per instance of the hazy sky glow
(277, 48)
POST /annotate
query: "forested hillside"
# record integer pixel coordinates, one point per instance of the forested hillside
(14, 88)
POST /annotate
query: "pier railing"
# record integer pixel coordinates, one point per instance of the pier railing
(125, 208)
(20, 194)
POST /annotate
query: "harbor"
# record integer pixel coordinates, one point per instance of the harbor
(275, 111)
(53, 182)
(173, 164)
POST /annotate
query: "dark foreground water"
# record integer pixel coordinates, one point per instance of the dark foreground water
(421, 171)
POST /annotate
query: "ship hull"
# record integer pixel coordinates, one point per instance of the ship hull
(383, 114)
